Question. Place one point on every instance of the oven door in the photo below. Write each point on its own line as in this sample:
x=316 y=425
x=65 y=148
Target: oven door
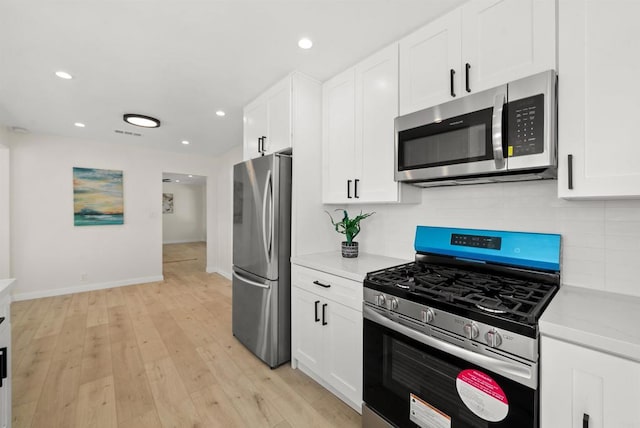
x=458 y=138
x=411 y=384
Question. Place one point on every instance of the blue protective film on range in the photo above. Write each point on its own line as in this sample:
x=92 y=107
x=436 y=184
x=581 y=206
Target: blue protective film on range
x=530 y=250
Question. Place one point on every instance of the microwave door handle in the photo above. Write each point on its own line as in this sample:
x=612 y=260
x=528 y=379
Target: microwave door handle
x=496 y=130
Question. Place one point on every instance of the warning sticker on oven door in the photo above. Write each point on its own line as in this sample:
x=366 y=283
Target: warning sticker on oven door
x=426 y=416
x=482 y=395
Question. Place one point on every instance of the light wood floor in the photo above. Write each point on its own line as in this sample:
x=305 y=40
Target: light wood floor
x=154 y=355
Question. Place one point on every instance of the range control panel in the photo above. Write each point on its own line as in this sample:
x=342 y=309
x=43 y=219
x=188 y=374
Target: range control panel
x=476 y=241
x=526 y=126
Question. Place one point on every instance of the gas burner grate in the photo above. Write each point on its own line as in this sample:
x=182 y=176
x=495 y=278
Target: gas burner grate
x=512 y=298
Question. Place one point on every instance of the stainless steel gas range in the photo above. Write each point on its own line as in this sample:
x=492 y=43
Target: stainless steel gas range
x=451 y=340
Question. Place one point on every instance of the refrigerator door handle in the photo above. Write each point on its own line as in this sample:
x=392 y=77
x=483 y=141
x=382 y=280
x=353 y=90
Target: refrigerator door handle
x=266 y=244
x=248 y=281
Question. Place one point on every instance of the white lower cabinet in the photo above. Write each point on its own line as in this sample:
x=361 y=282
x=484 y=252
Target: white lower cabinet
x=326 y=331
x=582 y=387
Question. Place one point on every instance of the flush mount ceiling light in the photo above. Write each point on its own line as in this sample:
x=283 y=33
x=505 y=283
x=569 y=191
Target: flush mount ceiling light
x=63 y=75
x=185 y=142
x=220 y=113
x=141 y=120
x=79 y=125
x=305 y=43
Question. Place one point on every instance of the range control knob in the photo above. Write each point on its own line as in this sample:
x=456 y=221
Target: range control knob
x=471 y=330
x=381 y=300
x=493 y=338
x=394 y=303
x=427 y=315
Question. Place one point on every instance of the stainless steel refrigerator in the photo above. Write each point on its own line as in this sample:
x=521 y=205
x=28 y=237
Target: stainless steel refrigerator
x=261 y=301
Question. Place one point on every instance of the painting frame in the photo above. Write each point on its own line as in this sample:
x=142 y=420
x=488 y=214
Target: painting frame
x=167 y=203
x=98 y=197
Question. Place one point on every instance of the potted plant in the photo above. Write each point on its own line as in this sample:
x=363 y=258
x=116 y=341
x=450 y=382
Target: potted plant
x=350 y=227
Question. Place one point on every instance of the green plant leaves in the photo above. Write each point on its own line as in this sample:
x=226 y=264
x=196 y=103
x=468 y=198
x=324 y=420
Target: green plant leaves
x=350 y=227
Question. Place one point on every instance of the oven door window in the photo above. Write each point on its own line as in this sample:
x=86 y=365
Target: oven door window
x=397 y=369
x=461 y=139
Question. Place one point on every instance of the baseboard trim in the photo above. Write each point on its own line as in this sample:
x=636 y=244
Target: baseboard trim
x=184 y=241
x=85 y=287
x=225 y=274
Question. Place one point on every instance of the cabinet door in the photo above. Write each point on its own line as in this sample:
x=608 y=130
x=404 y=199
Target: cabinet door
x=306 y=331
x=343 y=350
x=598 y=99
x=255 y=127
x=376 y=108
x=427 y=58
x=278 y=101
x=504 y=40
x=576 y=381
x=340 y=167
x=5 y=390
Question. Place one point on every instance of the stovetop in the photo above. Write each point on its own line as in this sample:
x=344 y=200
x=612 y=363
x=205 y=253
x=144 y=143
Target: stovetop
x=498 y=299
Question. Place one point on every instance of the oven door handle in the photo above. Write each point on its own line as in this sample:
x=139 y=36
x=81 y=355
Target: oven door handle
x=516 y=372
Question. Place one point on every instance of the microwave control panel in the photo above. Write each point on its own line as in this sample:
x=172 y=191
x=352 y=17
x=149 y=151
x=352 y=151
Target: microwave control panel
x=525 y=124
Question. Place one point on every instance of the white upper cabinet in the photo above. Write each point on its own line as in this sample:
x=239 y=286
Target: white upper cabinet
x=504 y=40
x=430 y=64
x=338 y=136
x=359 y=107
x=482 y=44
x=267 y=121
x=598 y=110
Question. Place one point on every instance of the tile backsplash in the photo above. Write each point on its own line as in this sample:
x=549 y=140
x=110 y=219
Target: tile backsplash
x=600 y=239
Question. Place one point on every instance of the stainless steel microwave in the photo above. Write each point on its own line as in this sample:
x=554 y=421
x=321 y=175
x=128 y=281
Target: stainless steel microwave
x=507 y=133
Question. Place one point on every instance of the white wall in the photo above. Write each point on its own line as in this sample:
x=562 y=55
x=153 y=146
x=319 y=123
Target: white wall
x=600 y=239
x=187 y=223
x=5 y=259
x=51 y=256
x=224 y=183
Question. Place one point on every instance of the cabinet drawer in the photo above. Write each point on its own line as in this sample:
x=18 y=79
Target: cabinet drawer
x=344 y=291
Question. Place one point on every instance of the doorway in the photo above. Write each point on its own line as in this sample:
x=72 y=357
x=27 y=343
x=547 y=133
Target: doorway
x=184 y=224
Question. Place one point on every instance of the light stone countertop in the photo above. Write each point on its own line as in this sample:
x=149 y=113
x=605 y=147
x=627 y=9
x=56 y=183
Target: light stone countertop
x=595 y=319
x=5 y=285
x=355 y=269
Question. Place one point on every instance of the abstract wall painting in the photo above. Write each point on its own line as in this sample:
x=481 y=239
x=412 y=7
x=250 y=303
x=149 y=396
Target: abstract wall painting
x=167 y=203
x=97 y=197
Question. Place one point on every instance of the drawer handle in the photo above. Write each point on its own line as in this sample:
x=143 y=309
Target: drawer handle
x=321 y=284
x=585 y=421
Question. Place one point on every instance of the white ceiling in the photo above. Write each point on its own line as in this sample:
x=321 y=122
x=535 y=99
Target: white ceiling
x=177 y=60
x=186 y=179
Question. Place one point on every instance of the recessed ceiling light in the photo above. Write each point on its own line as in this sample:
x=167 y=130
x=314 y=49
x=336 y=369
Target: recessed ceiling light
x=185 y=142
x=190 y=176
x=305 y=43
x=141 y=120
x=177 y=181
x=79 y=125
x=63 y=75
x=220 y=113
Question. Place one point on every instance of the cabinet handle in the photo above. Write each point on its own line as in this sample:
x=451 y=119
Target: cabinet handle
x=316 y=316
x=452 y=73
x=321 y=284
x=264 y=138
x=355 y=188
x=585 y=420
x=324 y=315
x=348 y=189
x=3 y=364
x=570 y=171
x=466 y=74
x=259 y=144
